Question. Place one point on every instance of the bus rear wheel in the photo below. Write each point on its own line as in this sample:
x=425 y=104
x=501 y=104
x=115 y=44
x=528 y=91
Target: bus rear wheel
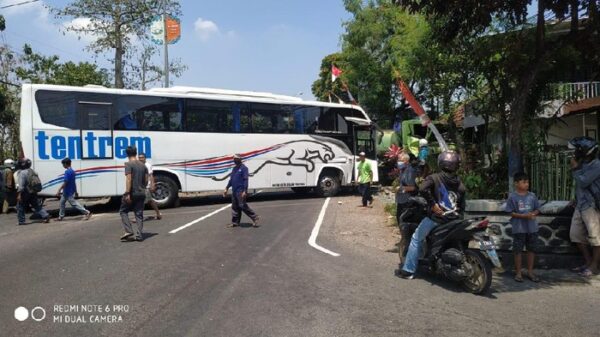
x=329 y=184
x=166 y=194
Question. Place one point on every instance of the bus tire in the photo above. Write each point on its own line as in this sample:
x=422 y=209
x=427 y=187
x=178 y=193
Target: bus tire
x=167 y=192
x=329 y=184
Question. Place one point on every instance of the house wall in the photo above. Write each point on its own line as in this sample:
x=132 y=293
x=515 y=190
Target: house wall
x=573 y=126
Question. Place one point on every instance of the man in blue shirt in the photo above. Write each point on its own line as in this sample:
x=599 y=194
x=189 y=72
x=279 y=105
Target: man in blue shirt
x=585 y=224
x=238 y=182
x=69 y=189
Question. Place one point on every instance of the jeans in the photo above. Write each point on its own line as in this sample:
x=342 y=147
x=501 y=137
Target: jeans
x=414 y=249
x=137 y=206
x=73 y=202
x=239 y=205
x=365 y=191
x=28 y=200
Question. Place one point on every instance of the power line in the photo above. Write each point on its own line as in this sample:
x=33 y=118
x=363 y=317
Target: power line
x=8 y=83
x=19 y=4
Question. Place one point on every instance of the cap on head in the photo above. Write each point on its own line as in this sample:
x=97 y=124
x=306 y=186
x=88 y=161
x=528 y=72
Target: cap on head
x=362 y=154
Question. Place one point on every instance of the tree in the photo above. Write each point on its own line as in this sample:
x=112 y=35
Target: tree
x=517 y=61
x=115 y=24
x=143 y=71
x=37 y=68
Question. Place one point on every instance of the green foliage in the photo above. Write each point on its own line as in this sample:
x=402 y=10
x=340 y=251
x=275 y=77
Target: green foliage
x=37 y=68
x=2 y=23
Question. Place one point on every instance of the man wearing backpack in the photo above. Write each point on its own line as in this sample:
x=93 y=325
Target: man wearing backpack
x=585 y=225
x=29 y=186
x=445 y=195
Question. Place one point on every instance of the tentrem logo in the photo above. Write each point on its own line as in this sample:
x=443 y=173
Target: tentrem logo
x=59 y=147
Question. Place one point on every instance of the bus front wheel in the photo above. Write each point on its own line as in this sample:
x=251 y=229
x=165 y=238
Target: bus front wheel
x=329 y=184
x=166 y=194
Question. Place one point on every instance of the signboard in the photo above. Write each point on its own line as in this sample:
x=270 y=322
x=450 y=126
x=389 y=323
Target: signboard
x=157 y=34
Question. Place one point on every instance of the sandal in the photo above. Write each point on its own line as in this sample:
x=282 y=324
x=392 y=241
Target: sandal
x=519 y=278
x=587 y=272
x=533 y=278
x=579 y=269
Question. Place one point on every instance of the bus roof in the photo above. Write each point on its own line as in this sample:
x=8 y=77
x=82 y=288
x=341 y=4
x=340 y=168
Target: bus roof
x=202 y=93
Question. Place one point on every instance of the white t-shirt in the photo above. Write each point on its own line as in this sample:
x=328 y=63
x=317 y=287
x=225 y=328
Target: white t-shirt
x=149 y=167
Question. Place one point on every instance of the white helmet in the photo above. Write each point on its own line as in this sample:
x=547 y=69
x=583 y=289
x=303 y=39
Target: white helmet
x=423 y=142
x=9 y=162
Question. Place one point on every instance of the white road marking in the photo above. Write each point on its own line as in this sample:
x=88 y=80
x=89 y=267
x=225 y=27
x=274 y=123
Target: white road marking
x=312 y=241
x=199 y=219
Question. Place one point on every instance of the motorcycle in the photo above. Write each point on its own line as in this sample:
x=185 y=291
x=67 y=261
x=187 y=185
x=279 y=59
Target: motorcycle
x=459 y=250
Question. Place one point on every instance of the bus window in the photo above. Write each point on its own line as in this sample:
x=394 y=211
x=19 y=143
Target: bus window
x=208 y=116
x=271 y=118
x=327 y=119
x=58 y=108
x=149 y=113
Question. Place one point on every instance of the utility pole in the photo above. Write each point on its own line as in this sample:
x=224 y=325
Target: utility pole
x=166 y=44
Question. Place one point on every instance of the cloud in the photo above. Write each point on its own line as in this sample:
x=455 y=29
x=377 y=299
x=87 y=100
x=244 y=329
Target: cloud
x=78 y=23
x=206 y=29
x=40 y=9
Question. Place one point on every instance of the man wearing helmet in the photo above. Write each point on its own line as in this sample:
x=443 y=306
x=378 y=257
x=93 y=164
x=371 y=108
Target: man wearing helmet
x=445 y=195
x=25 y=196
x=585 y=225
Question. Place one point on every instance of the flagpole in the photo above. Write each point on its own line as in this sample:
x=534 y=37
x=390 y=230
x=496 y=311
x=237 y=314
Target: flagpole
x=166 y=45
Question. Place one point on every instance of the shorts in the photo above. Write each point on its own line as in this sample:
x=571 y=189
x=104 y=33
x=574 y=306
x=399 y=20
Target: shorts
x=148 y=196
x=585 y=227
x=522 y=240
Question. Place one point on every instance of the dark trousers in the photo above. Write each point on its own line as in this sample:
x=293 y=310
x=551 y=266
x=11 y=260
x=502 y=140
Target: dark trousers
x=29 y=201
x=137 y=206
x=365 y=191
x=239 y=205
x=404 y=232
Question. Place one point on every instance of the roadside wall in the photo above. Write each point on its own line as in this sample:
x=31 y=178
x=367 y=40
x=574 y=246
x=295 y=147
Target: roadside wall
x=554 y=221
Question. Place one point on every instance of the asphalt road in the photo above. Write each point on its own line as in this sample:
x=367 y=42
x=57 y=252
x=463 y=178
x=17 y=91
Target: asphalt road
x=209 y=280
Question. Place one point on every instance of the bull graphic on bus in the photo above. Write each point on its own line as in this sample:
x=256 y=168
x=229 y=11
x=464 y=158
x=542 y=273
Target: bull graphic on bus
x=299 y=153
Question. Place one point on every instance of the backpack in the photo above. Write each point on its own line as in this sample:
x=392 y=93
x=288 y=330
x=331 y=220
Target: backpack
x=34 y=184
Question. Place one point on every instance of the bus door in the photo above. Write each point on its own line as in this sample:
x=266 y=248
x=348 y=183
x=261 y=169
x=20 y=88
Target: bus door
x=98 y=172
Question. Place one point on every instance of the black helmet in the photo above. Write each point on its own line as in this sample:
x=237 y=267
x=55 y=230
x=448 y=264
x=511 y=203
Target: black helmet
x=24 y=163
x=584 y=147
x=449 y=161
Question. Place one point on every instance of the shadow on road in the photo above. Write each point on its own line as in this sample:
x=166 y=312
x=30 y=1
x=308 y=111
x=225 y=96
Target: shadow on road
x=503 y=282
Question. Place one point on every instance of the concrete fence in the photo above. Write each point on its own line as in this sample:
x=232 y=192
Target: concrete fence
x=554 y=224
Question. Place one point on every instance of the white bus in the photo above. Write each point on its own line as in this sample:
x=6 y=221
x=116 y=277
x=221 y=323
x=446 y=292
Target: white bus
x=189 y=135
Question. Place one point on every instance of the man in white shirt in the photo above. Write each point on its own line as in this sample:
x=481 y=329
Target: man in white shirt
x=151 y=186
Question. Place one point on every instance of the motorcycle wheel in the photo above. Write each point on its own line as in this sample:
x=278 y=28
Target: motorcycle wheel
x=481 y=280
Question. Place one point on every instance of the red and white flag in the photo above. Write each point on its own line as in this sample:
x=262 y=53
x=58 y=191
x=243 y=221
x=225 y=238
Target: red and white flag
x=335 y=73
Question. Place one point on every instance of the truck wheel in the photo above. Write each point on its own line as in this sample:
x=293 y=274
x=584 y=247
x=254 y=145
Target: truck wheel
x=329 y=184
x=166 y=194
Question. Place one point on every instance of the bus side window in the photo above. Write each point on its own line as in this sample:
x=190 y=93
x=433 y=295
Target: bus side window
x=149 y=113
x=208 y=116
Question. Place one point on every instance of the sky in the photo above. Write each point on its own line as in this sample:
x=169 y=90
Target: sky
x=259 y=45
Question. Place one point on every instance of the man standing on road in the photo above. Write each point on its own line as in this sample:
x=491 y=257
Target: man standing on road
x=585 y=225
x=365 y=176
x=151 y=188
x=67 y=192
x=136 y=180
x=239 y=193
x=29 y=186
x=407 y=188
x=9 y=190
